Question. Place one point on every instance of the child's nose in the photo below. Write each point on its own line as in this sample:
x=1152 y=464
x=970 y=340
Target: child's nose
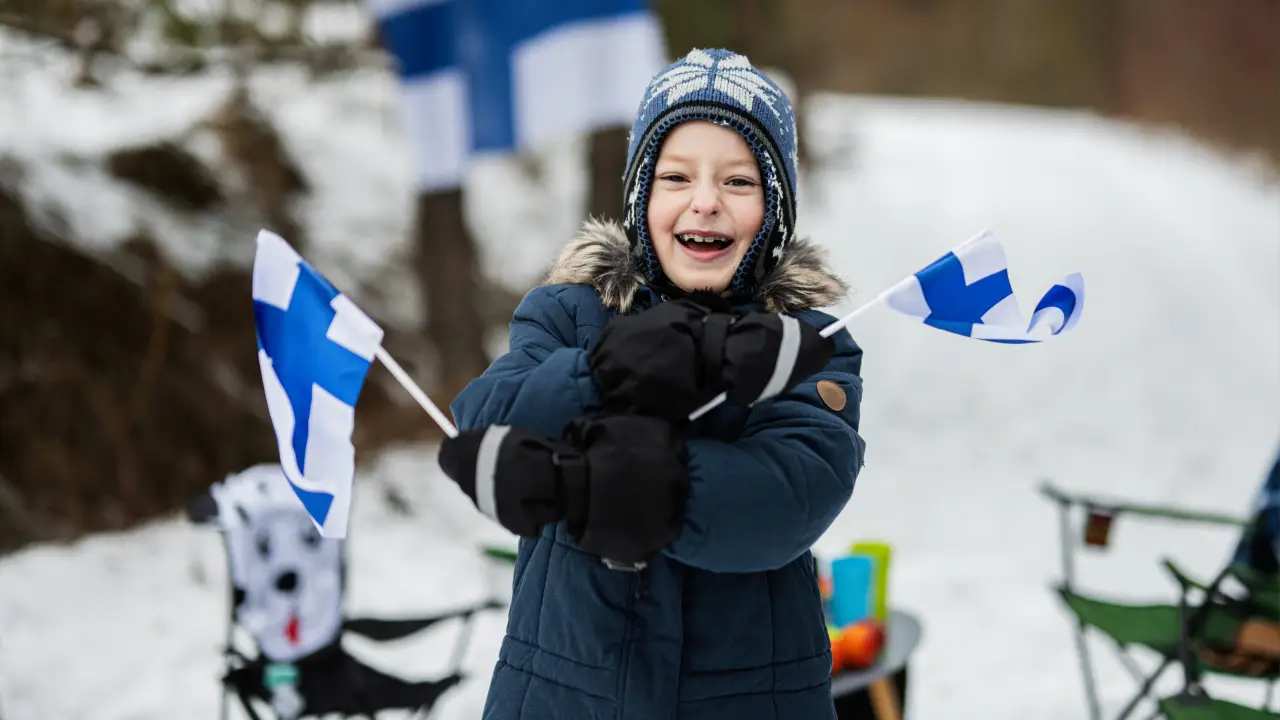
x=706 y=199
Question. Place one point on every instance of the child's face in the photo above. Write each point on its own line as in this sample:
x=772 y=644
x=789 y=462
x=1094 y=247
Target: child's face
x=706 y=205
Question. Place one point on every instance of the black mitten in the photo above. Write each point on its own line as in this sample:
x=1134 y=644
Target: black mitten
x=670 y=360
x=618 y=481
x=636 y=486
x=513 y=476
x=768 y=354
x=648 y=363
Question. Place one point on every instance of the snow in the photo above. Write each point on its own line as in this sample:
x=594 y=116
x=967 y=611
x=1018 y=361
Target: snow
x=130 y=625
x=343 y=131
x=1168 y=390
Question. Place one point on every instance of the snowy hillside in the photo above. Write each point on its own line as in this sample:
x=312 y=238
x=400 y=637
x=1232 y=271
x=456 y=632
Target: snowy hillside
x=1167 y=391
x=343 y=131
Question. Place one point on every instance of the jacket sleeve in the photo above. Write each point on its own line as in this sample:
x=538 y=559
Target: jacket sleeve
x=759 y=503
x=1259 y=544
x=543 y=380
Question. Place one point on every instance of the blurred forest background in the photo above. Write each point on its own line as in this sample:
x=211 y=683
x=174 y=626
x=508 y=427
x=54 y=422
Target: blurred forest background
x=127 y=385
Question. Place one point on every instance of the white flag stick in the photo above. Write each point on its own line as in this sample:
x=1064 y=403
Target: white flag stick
x=416 y=392
x=839 y=325
x=827 y=331
x=836 y=326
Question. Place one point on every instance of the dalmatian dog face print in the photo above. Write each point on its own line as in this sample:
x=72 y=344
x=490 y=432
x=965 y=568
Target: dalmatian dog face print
x=287 y=580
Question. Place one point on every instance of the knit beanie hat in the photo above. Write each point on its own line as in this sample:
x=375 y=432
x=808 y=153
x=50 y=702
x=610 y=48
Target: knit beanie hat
x=722 y=87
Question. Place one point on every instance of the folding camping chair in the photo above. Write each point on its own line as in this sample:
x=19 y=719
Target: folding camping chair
x=1222 y=632
x=287 y=586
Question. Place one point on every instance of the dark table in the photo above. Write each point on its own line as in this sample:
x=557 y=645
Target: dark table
x=859 y=693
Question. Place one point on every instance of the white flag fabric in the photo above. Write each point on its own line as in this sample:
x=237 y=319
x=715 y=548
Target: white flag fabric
x=496 y=76
x=315 y=348
x=967 y=292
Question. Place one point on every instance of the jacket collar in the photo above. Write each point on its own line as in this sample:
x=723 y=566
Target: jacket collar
x=601 y=256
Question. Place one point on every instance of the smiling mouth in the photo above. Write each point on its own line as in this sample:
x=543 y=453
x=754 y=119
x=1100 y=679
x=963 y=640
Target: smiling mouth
x=704 y=242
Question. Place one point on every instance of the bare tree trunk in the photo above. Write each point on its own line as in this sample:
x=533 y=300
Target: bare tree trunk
x=448 y=270
x=607 y=161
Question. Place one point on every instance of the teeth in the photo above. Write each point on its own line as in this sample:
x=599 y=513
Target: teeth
x=710 y=240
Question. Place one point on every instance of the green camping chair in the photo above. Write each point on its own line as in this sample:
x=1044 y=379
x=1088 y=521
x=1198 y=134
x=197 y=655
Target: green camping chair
x=1200 y=631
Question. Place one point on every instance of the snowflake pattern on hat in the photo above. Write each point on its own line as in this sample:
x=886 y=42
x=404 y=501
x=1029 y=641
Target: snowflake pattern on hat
x=725 y=88
x=735 y=77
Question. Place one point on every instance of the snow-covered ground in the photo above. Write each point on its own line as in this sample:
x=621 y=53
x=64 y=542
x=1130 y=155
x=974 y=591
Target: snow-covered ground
x=1169 y=390
x=344 y=133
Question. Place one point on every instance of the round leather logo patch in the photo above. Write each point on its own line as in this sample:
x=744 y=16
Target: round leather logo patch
x=832 y=395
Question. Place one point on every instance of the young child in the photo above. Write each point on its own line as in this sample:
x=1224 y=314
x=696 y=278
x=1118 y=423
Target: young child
x=665 y=569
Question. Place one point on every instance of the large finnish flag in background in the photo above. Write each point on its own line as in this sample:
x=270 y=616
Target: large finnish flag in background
x=496 y=76
x=315 y=348
x=967 y=292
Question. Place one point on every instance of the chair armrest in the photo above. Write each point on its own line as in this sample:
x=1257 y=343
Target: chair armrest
x=380 y=629
x=1183 y=579
x=1166 y=512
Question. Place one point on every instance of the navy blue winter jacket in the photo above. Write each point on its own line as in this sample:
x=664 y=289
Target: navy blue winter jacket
x=727 y=623
x=1259 y=546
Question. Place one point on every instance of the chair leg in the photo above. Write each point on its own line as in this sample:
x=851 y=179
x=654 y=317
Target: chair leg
x=1189 y=625
x=1135 y=672
x=249 y=709
x=1144 y=690
x=1192 y=693
x=1068 y=580
x=884 y=699
x=463 y=642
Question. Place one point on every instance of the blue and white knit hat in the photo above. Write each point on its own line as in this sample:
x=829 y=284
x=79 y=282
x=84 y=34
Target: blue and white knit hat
x=722 y=87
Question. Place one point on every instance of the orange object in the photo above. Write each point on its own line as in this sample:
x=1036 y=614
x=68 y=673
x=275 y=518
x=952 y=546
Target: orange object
x=824 y=587
x=858 y=645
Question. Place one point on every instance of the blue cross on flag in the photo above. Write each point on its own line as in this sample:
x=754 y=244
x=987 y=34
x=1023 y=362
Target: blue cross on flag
x=967 y=292
x=496 y=76
x=315 y=348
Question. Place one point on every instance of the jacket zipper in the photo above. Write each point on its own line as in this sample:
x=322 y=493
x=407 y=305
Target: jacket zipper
x=632 y=596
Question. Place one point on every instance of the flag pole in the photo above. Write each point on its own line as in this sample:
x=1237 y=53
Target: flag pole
x=416 y=392
x=827 y=331
x=838 y=325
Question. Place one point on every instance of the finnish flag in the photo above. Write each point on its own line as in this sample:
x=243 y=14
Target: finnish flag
x=315 y=348
x=967 y=292
x=496 y=76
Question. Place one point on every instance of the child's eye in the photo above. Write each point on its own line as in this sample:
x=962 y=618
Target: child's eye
x=673 y=177
x=743 y=182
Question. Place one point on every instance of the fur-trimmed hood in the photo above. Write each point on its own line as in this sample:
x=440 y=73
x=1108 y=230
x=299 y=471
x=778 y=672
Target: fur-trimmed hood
x=601 y=256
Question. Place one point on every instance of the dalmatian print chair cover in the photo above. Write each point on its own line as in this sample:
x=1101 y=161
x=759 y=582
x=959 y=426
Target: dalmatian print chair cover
x=287 y=580
x=287 y=593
